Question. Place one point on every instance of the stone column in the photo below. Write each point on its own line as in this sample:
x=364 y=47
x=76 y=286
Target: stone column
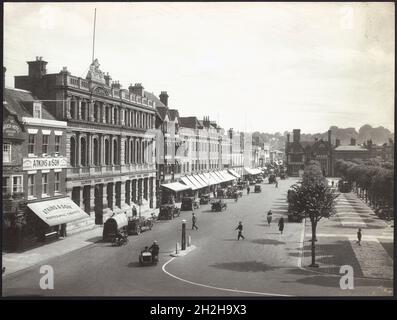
x=122 y=195
x=122 y=150
x=103 y=112
x=81 y=198
x=114 y=195
x=154 y=199
x=92 y=201
x=91 y=111
x=68 y=115
x=79 y=108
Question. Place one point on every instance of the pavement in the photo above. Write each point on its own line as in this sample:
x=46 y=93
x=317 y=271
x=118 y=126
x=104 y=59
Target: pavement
x=266 y=263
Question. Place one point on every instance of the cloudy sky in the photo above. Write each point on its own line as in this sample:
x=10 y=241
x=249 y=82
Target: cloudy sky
x=251 y=66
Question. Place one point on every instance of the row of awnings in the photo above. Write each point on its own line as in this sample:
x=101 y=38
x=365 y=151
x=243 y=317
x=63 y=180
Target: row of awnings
x=201 y=180
x=252 y=171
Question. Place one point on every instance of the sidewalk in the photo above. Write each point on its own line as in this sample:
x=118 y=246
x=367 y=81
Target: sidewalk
x=337 y=241
x=18 y=261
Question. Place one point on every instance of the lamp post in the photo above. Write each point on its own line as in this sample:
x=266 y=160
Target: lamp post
x=183 y=243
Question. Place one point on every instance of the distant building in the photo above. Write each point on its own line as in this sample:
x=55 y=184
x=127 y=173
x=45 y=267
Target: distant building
x=384 y=152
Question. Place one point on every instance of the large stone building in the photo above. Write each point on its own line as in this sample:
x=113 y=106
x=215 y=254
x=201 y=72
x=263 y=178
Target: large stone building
x=299 y=153
x=110 y=139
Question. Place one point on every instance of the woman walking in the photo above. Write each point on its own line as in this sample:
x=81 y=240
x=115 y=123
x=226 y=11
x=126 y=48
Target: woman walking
x=269 y=217
x=281 y=225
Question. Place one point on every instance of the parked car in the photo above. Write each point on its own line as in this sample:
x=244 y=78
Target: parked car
x=137 y=225
x=189 y=204
x=218 y=205
x=168 y=212
x=258 y=188
x=205 y=199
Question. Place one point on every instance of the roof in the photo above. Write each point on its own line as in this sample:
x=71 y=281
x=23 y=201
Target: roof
x=173 y=114
x=152 y=96
x=162 y=112
x=350 y=148
x=189 y=122
x=20 y=102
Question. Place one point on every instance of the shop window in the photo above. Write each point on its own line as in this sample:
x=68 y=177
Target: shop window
x=17 y=184
x=31 y=185
x=57 y=143
x=31 y=143
x=57 y=178
x=45 y=143
x=6 y=152
x=44 y=183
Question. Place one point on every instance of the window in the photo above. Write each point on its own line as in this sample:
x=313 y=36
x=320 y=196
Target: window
x=31 y=143
x=44 y=183
x=6 y=153
x=30 y=185
x=37 y=110
x=57 y=181
x=45 y=143
x=6 y=185
x=17 y=184
x=57 y=143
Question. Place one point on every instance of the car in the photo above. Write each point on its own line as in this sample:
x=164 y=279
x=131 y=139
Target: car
x=218 y=205
x=168 y=212
x=189 y=204
x=272 y=178
x=205 y=199
x=137 y=225
x=259 y=180
x=344 y=186
x=257 y=188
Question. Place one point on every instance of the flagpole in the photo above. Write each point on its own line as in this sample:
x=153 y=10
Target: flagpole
x=93 y=38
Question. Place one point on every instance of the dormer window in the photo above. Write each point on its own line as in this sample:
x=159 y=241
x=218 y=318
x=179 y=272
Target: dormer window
x=37 y=110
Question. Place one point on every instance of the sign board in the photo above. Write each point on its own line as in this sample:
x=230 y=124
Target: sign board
x=12 y=129
x=44 y=163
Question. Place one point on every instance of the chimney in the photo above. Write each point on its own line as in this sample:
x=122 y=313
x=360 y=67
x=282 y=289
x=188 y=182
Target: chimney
x=116 y=85
x=107 y=79
x=296 y=135
x=164 y=98
x=37 y=69
x=136 y=89
x=337 y=143
x=352 y=141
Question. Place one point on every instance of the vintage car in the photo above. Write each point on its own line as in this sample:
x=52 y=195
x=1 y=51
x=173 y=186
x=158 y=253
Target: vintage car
x=259 y=180
x=189 y=204
x=218 y=205
x=272 y=178
x=168 y=212
x=205 y=199
x=146 y=257
x=117 y=223
x=136 y=225
x=257 y=188
x=344 y=186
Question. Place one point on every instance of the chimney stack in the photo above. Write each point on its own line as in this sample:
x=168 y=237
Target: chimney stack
x=164 y=98
x=137 y=89
x=37 y=68
x=296 y=135
x=116 y=85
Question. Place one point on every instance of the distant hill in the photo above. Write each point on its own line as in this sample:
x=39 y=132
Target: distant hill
x=379 y=135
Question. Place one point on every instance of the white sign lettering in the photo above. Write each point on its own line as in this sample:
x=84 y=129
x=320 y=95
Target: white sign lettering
x=44 y=163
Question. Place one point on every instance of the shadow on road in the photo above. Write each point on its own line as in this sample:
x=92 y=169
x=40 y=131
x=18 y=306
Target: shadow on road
x=96 y=240
x=134 y=264
x=244 y=266
x=268 y=242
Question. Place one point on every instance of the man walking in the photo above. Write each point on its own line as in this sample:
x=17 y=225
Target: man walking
x=194 y=220
x=248 y=190
x=269 y=217
x=240 y=231
x=359 y=236
x=281 y=225
x=276 y=182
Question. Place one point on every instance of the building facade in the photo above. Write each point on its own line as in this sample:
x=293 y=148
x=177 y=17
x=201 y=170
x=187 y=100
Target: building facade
x=110 y=140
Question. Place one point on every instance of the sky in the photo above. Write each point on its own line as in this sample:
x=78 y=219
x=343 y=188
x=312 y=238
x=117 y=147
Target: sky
x=268 y=67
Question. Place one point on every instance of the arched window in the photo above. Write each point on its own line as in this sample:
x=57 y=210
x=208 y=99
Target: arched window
x=96 y=152
x=107 y=152
x=83 y=151
x=115 y=153
x=72 y=151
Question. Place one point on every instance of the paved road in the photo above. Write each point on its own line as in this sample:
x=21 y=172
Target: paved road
x=265 y=263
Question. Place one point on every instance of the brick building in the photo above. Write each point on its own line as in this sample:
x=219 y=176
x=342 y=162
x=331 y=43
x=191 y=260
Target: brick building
x=110 y=140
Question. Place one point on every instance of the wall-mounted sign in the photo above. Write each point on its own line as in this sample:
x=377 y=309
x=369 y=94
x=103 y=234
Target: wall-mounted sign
x=12 y=129
x=44 y=163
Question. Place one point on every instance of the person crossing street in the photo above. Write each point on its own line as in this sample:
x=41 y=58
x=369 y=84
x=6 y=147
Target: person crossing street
x=240 y=231
x=269 y=217
x=194 y=220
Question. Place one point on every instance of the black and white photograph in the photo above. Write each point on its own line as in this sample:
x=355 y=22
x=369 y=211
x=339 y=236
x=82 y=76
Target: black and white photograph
x=198 y=149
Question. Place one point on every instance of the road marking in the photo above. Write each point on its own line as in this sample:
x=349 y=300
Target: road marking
x=219 y=288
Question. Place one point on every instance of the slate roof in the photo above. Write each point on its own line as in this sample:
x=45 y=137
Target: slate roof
x=351 y=148
x=20 y=102
x=189 y=122
x=173 y=114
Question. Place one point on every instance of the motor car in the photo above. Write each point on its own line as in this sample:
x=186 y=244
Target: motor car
x=168 y=212
x=136 y=225
x=190 y=204
x=257 y=188
x=218 y=205
x=205 y=199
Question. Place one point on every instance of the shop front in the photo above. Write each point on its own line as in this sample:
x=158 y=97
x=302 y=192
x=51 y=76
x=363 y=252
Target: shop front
x=174 y=192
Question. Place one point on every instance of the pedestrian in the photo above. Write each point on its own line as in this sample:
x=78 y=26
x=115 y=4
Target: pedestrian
x=359 y=235
x=248 y=190
x=194 y=220
x=276 y=182
x=281 y=225
x=236 y=196
x=269 y=217
x=240 y=231
x=63 y=230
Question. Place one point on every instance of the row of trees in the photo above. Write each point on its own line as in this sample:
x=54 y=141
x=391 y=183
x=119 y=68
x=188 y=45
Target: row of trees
x=372 y=180
x=313 y=199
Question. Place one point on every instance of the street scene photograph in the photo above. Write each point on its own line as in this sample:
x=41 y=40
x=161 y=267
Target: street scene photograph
x=198 y=149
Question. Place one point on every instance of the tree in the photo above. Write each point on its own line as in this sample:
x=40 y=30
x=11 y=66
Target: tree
x=314 y=200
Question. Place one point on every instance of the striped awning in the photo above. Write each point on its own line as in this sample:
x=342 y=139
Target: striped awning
x=234 y=173
x=187 y=182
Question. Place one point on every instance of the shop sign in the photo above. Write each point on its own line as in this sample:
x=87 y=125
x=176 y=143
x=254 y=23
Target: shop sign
x=44 y=163
x=11 y=128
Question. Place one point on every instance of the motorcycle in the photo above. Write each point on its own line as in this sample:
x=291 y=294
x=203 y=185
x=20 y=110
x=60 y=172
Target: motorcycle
x=120 y=240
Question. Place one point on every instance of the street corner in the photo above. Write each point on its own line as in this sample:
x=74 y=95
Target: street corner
x=182 y=253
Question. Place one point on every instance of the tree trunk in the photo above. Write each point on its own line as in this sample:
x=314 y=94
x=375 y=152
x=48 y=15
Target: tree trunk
x=314 y=226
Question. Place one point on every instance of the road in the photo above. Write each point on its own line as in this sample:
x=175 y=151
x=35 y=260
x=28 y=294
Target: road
x=266 y=263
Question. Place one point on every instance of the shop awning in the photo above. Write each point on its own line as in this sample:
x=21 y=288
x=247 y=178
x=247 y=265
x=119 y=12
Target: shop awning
x=251 y=171
x=176 y=186
x=59 y=211
x=196 y=181
x=200 y=180
x=216 y=177
x=188 y=183
x=220 y=176
x=234 y=173
x=227 y=175
x=204 y=178
x=210 y=179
